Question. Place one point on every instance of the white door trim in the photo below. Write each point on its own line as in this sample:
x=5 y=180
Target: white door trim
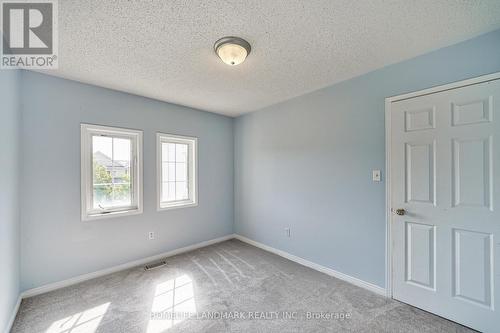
x=388 y=102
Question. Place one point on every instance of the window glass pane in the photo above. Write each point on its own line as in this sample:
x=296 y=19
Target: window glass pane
x=170 y=191
x=121 y=161
x=102 y=166
x=164 y=151
x=171 y=152
x=181 y=151
x=181 y=191
x=121 y=195
x=102 y=195
x=181 y=172
x=170 y=172
x=121 y=149
x=102 y=148
x=102 y=144
x=164 y=171
x=164 y=191
x=111 y=172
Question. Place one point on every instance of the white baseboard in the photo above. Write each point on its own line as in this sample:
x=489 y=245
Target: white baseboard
x=106 y=271
x=355 y=281
x=13 y=315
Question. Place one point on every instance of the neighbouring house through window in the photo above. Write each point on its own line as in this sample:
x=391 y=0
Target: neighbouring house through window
x=111 y=171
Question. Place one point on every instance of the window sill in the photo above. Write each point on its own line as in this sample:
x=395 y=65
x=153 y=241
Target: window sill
x=177 y=205
x=92 y=217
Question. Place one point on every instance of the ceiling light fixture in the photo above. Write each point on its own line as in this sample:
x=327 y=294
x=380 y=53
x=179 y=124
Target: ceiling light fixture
x=232 y=50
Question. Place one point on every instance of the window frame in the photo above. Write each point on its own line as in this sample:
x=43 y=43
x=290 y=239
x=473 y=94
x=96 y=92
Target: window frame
x=87 y=131
x=192 y=143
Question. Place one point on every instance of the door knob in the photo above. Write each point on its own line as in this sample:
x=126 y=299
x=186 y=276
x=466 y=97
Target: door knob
x=400 y=211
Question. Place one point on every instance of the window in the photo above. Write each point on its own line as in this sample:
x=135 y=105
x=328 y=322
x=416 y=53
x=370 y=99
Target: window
x=111 y=171
x=176 y=156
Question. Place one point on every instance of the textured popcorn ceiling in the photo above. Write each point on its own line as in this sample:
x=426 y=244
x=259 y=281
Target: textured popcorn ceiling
x=164 y=49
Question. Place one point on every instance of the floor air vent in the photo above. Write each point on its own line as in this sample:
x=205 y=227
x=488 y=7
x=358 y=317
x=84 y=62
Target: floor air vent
x=154 y=265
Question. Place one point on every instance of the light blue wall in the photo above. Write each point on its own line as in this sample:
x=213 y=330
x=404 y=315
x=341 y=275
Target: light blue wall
x=55 y=243
x=306 y=163
x=9 y=203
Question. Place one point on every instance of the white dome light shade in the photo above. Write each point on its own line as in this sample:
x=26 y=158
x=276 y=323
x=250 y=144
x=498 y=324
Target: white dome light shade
x=232 y=50
x=232 y=54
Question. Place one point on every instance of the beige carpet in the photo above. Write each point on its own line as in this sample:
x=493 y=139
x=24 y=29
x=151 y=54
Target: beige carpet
x=227 y=287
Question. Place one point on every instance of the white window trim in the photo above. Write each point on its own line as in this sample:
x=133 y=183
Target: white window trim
x=86 y=172
x=192 y=171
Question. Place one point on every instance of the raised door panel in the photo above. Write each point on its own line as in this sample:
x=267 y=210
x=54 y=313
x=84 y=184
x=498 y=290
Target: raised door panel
x=420 y=173
x=472 y=112
x=417 y=120
x=471 y=169
x=473 y=267
x=420 y=256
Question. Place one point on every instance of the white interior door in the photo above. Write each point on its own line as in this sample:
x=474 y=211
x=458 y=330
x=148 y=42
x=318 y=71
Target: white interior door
x=445 y=160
